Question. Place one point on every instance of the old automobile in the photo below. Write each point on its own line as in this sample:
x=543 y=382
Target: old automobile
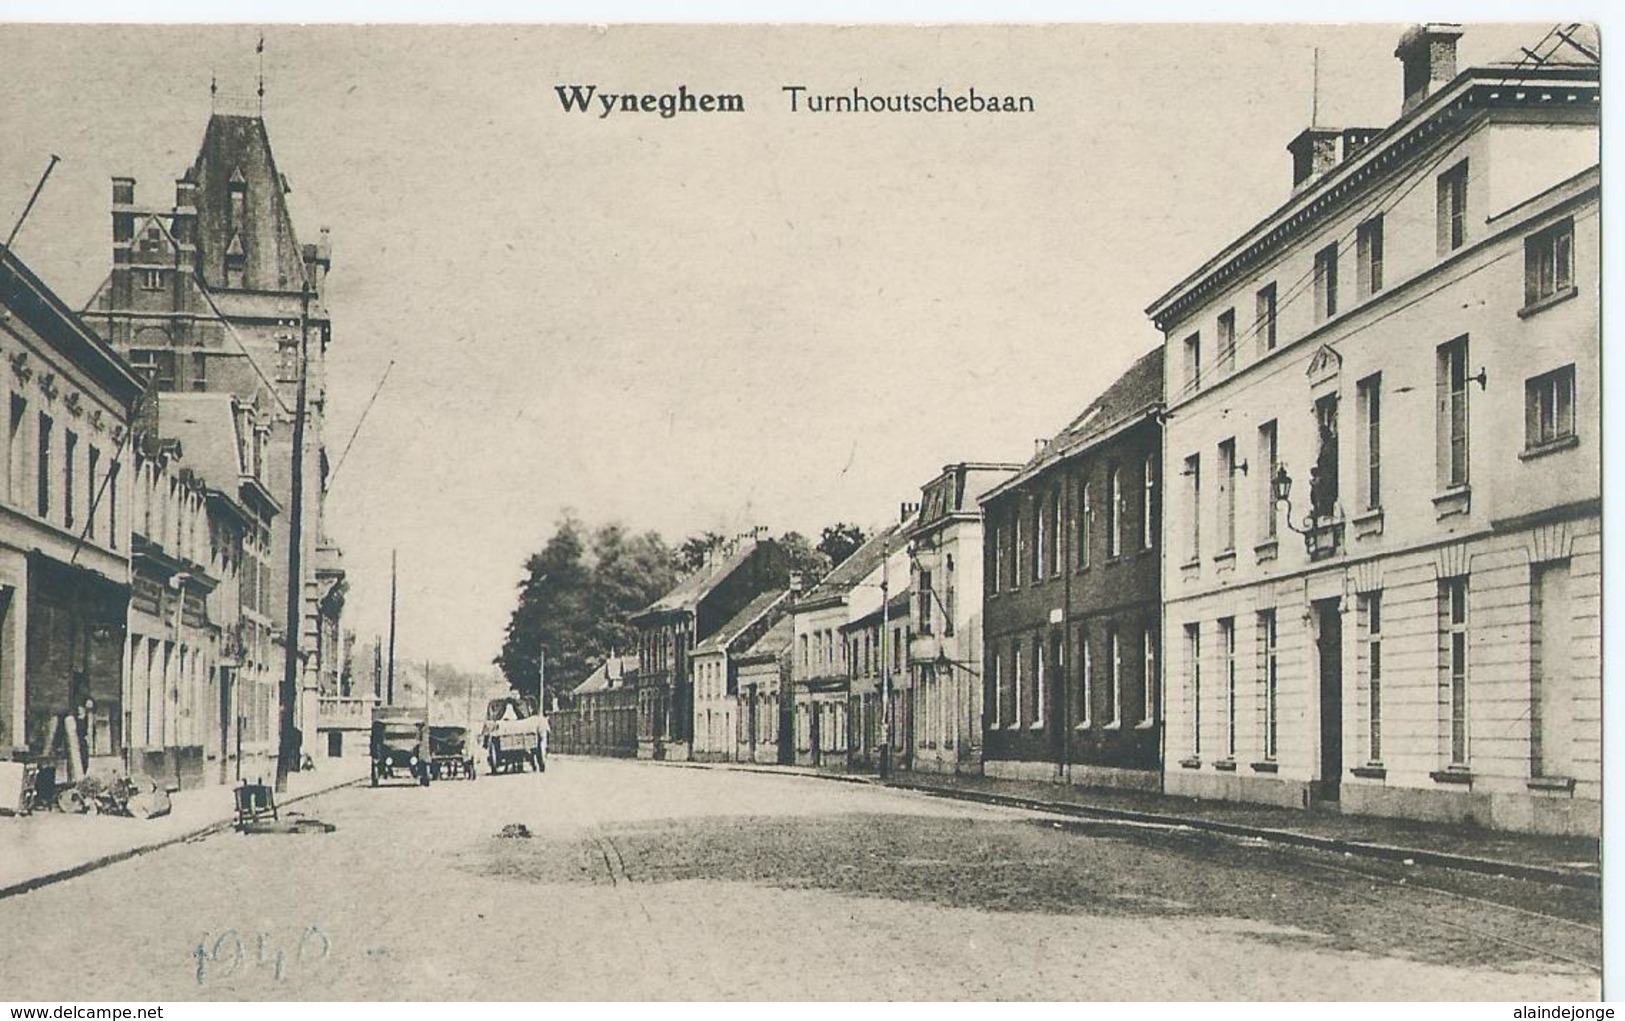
x=400 y=744
x=451 y=753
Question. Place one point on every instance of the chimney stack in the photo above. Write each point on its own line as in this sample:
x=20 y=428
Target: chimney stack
x=1428 y=54
x=184 y=223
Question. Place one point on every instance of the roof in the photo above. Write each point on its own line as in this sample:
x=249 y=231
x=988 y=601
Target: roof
x=236 y=153
x=1559 y=63
x=31 y=300
x=898 y=608
x=688 y=593
x=741 y=622
x=774 y=641
x=609 y=672
x=856 y=567
x=1129 y=398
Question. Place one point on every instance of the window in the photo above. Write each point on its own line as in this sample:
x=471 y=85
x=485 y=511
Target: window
x=996 y=683
x=1371 y=610
x=1227 y=677
x=43 y=465
x=1227 y=341
x=1039 y=694
x=1549 y=408
x=1227 y=497
x=1264 y=314
x=1055 y=524
x=948 y=604
x=157 y=366
x=1551 y=696
x=152 y=280
x=1040 y=538
x=1368 y=256
x=112 y=504
x=1453 y=665
x=1369 y=393
x=70 y=451
x=1020 y=548
x=93 y=463
x=1193 y=361
x=1268 y=457
x=1324 y=476
x=14 y=451
x=925 y=603
x=1193 y=683
x=1548 y=263
x=200 y=371
x=1114 y=690
x=1326 y=283
x=1148 y=678
x=1452 y=418
x=1085 y=667
x=287 y=360
x=996 y=576
x=1015 y=685
x=1267 y=680
x=1114 y=503
x=1086 y=511
x=1452 y=208
x=1193 y=507
x=1148 y=504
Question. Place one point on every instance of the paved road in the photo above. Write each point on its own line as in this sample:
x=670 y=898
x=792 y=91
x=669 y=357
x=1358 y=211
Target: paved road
x=646 y=881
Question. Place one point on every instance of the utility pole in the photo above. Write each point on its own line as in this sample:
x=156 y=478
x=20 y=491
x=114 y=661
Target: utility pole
x=55 y=159
x=885 y=661
x=288 y=737
x=391 y=700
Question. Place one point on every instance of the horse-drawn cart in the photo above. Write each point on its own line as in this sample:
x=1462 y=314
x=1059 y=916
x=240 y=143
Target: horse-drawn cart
x=515 y=735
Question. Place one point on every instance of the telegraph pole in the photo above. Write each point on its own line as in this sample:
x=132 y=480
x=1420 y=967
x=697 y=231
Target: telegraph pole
x=885 y=661
x=288 y=736
x=391 y=700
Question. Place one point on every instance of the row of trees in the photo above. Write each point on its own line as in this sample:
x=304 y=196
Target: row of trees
x=580 y=591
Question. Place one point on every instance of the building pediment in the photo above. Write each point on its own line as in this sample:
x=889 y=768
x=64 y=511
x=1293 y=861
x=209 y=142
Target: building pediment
x=1324 y=366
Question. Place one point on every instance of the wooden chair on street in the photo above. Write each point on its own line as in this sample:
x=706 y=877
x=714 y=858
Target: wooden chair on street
x=256 y=802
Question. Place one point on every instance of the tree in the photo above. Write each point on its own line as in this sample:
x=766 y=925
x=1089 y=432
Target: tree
x=692 y=553
x=576 y=601
x=804 y=557
x=840 y=541
x=550 y=610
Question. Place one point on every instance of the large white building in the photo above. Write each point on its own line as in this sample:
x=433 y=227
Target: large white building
x=1407 y=350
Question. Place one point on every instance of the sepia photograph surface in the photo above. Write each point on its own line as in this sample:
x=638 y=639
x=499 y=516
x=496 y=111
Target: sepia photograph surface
x=801 y=512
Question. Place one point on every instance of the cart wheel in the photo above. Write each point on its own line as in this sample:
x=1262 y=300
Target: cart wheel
x=70 y=800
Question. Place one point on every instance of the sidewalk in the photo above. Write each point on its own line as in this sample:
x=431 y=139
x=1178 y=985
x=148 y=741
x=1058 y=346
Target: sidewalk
x=46 y=847
x=1570 y=861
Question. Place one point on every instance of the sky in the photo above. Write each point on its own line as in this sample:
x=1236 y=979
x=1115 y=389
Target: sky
x=708 y=322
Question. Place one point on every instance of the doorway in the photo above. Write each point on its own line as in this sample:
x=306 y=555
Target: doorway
x=1329 y=646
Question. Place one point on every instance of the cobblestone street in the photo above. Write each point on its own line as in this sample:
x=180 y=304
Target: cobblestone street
x=646 y=881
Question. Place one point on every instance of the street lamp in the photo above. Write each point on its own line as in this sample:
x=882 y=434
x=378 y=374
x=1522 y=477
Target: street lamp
x=1281 y=490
